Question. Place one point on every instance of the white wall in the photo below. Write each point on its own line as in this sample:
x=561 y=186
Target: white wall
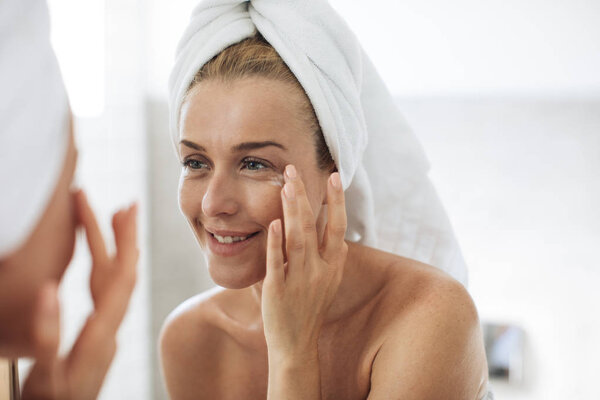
x=433 y=47
x=437 y=47
x=520 y=179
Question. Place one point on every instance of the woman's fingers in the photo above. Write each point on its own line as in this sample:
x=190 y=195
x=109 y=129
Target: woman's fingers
x=275 y=272
x=92 y=230
x=294 y=237
x=95 y=347
x=333 y=241
x=125 y=228
x=306 y=215
x=112 y=283
x=112 y=307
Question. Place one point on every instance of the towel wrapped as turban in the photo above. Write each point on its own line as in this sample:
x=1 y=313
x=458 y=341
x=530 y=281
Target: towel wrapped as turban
x=391 y=203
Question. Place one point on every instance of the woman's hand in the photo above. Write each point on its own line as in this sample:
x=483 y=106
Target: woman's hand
x=80 y=374
x=297 y=293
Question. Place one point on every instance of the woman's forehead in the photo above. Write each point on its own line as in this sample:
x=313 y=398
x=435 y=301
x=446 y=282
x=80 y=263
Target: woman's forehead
x=247 y=110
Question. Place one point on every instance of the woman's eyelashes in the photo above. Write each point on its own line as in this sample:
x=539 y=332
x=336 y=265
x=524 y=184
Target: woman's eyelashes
x=251 y=164
x=193 y=164
x=254 y=164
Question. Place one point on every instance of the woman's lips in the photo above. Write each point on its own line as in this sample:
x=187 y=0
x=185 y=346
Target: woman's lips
x=229 y=249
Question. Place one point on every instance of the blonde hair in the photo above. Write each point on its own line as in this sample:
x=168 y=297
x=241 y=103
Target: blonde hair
x=255 y=57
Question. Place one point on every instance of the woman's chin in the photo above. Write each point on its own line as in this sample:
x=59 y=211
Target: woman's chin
x=235 y=276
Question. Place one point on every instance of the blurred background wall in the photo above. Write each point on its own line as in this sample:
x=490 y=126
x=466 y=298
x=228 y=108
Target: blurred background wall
x=505 y=97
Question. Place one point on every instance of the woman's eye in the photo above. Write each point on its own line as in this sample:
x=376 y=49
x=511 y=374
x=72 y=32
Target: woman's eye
x=254 y=165
x=193 y=164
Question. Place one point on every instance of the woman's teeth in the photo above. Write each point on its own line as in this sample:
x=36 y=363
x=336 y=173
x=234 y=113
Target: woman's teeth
x=230 y=239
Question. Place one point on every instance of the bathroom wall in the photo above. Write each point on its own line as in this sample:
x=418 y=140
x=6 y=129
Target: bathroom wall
x=520 y=179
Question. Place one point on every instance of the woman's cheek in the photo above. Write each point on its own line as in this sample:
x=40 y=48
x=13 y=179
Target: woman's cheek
x=190 y=199
x=264 y=199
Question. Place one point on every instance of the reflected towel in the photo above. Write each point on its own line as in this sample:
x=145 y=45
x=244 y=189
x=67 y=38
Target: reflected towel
x=34 y=119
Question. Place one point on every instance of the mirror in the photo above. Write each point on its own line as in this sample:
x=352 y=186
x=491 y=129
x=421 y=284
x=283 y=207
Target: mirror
x=509 y=119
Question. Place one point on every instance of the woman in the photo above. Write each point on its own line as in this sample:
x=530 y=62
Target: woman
x=303 y=313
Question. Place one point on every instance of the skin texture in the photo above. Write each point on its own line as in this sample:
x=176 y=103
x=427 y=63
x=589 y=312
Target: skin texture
x=302 y=314
x=29 y=306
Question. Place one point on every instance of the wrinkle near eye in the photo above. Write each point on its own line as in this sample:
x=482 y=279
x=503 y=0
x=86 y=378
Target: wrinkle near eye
x=271 y=177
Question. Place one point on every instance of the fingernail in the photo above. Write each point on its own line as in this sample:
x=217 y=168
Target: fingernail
x=277 y=226
x=290 y=193
x=335 y=180
x=290 y=170
x=134 y=210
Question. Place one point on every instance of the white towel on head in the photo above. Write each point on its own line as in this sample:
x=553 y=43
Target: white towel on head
x=390 y=201
x=34 y=119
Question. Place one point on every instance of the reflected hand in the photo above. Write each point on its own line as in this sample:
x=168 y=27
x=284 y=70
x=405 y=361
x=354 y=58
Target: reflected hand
x=297 y=294
x=80 y=374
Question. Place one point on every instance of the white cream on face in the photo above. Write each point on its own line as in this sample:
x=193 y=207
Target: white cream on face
x=277 y=180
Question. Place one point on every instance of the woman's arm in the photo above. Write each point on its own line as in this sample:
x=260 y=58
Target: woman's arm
x=436 y=353
x=297 y=293
x=295 y=376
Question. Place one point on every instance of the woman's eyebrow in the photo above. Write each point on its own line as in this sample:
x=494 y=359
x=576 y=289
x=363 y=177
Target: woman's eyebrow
x=245 y=146
x=193 y=145
x=256 y=145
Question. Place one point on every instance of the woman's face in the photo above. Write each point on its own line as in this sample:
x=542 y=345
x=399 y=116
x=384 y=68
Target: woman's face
x=236 y=139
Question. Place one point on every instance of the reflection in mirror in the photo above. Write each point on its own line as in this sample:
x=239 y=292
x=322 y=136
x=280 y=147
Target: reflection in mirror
x=494 y=159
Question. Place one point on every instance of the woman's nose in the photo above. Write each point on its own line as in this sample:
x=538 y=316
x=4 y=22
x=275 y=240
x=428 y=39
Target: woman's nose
x=220 y=197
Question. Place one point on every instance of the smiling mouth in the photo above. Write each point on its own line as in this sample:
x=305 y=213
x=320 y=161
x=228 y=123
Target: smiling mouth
x=231 y=239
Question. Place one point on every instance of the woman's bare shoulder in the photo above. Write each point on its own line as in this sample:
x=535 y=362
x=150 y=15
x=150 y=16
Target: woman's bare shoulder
x=428 y=293
x=192 y=339
x=433 y=312
x=192 y=314
x=404 y=281
x=414 y=291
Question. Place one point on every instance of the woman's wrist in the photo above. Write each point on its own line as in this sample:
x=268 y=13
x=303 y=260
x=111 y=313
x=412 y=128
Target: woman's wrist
x=293 y=358
x=294 y=375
